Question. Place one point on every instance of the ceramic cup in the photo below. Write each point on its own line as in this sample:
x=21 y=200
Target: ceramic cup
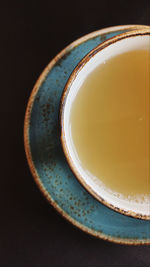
x=134 y=40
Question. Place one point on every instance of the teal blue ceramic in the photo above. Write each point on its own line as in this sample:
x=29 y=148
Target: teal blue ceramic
x=46 y=159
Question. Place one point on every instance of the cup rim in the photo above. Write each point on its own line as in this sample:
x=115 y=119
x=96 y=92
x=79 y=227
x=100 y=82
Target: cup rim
x=138 y=32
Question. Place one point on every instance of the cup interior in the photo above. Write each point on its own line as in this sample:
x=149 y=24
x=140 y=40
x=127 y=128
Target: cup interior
x=132 y=41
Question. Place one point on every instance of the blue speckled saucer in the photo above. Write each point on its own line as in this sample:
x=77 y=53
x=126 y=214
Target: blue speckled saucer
x=47 y=162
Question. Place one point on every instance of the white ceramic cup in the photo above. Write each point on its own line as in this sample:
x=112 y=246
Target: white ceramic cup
x=134 y=40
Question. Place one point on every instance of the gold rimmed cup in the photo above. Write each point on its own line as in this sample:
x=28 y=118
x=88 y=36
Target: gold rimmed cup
x=129 y=41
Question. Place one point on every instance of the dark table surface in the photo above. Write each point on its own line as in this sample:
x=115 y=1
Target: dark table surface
x=31 y=231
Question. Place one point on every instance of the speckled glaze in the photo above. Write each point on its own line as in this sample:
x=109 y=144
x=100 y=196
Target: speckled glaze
x=46 y=159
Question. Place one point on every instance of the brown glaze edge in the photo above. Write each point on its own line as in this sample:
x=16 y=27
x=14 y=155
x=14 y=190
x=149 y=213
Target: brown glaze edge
x=27 y=143
x=144 y=31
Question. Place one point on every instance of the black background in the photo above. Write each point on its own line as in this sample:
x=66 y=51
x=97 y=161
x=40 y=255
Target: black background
x=31 y=231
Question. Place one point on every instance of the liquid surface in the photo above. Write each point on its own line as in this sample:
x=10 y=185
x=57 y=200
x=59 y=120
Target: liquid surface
x=110 y=123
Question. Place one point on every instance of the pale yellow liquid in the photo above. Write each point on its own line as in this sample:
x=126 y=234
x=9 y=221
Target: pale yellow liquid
x=110 y=123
